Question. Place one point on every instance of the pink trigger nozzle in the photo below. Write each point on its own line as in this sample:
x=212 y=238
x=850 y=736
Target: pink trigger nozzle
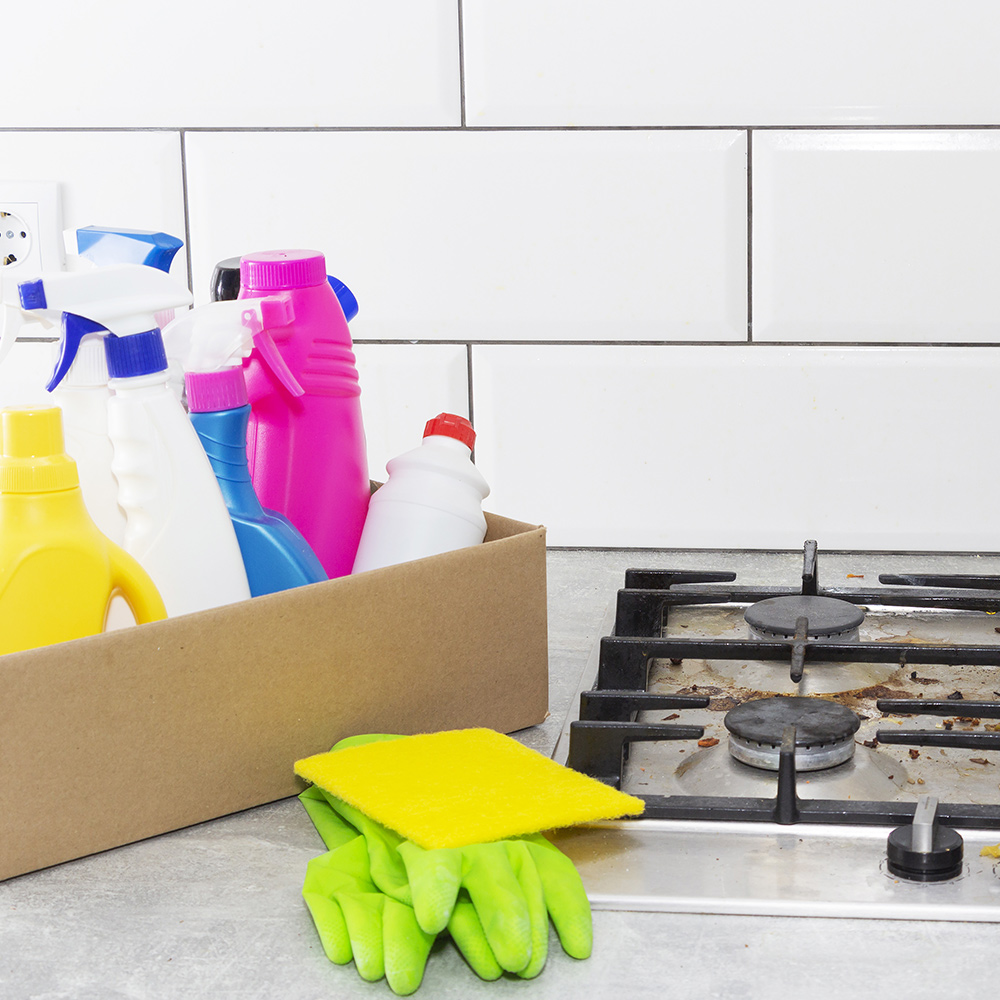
x=263 y=342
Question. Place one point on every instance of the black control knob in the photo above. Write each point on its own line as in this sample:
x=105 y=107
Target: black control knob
x=924 y=851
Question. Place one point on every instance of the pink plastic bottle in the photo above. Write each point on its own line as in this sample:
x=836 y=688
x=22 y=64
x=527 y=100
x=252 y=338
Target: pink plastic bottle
x=307 y=454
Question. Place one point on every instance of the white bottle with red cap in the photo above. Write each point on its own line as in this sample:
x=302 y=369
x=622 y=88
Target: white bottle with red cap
x=431 y=502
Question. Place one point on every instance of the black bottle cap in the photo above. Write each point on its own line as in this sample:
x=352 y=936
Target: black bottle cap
x=226 y=280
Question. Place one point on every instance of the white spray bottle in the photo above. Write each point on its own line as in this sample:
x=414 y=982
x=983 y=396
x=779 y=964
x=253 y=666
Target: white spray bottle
x=84 y=393
x=177 y=524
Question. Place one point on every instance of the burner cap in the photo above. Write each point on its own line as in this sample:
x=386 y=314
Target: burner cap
x=829 y=618
x=824 y=732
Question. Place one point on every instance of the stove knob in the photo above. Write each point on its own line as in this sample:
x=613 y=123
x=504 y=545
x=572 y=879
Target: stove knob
x=924 y=851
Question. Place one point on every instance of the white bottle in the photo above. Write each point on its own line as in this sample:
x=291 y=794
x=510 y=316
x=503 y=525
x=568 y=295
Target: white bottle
x=83 y=397
x=431 y=502
x=177 y=524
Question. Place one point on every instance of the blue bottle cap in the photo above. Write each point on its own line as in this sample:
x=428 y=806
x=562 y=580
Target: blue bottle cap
x=137 y=354
x=345 y=297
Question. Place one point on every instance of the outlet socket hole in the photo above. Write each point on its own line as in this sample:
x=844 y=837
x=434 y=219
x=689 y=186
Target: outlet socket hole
x=15 y=240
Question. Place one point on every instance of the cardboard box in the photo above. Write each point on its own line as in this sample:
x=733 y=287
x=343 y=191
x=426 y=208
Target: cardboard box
x=122 y=736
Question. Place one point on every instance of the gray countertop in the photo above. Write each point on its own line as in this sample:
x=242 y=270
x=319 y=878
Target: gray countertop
x=215 y=910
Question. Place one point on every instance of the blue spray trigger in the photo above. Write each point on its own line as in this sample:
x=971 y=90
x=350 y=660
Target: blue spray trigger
x=75 y=328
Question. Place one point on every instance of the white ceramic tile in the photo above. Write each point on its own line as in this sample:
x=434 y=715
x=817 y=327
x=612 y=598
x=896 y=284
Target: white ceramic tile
x=25 y=372
x=251 y=64
x=750 y=446
x=876 y=236
x=720 y=62
x=128 y=179
x=458 y=235
x=402 y=387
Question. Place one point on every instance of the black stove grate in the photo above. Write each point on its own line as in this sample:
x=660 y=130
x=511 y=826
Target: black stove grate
x=599 y=742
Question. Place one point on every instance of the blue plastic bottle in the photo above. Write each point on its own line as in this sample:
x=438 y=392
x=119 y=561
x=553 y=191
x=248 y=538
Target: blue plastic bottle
x=275 y=554
x=209 y=343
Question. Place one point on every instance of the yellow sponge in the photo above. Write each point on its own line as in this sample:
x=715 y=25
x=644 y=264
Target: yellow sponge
x=466 y=786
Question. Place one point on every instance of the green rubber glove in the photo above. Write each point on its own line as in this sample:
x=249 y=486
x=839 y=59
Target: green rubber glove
x=354 y=919
x=510 y=888
x=463 y=924
x=508 y=882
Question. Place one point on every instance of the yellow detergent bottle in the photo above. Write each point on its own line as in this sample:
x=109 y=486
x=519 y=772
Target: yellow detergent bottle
x=58 y=573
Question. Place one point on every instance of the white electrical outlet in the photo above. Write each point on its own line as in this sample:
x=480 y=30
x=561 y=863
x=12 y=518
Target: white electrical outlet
x=30 y=244
x=30 y=229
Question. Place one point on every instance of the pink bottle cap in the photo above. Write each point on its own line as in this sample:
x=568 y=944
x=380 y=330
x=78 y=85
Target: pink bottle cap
x=211 y=391
x=453 y=426
x=278 y=270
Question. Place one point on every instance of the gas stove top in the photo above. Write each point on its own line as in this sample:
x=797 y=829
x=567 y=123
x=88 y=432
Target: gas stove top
x=813 y=733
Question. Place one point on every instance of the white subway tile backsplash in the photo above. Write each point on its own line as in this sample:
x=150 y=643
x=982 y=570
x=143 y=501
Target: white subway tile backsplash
x=402 y=387
x=25 y=372
x=458 y=235
x=876 y=235
x=191 y=64
x=748 y=446
x=128 y=179
x=719 y=62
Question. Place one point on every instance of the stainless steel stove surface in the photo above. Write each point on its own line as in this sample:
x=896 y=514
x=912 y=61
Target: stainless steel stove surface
x=798 y=821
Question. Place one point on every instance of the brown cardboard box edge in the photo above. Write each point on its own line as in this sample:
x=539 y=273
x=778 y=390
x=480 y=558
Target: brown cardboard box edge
x=122 y=736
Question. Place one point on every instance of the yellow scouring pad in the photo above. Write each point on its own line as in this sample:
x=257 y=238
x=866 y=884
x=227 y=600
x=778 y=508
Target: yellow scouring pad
x=465 y=786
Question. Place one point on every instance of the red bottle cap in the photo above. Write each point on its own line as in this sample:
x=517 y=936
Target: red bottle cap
x=453 y=426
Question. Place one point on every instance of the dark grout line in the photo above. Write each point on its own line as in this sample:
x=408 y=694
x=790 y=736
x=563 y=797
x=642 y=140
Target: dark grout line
x=749 y=236
x=187 y=214
x=468 y=375
x=461 y=62
x=825 y=345
x=770 y=551
x=472 y=408
x=503 y=128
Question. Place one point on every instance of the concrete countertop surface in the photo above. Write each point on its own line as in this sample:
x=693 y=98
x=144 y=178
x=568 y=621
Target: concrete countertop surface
x=215 y=910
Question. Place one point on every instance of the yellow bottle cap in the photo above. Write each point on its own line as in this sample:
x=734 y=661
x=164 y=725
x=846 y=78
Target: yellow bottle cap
x=33 y=457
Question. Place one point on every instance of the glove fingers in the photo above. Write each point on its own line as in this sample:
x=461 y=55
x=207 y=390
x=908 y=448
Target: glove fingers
x=363 y=916
x=565 y=897
x=467 y=933
x=405 y=946
x=523 y=866
x=331 y=927
x=499 y=902
x=435 y=878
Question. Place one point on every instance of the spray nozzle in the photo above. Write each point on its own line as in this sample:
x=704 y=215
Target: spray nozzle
x=121 y=300
x=110 y=245
x=221 y=334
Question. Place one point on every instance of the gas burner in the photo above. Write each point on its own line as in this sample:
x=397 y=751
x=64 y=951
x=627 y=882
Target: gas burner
x=824 y=732
x=826 y=618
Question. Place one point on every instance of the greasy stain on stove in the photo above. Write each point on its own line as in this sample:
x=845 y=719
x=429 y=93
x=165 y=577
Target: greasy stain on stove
x=842 y=706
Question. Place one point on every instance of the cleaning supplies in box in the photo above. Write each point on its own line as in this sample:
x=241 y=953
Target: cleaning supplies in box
x=210 y=342
x=431 y=502
x=177 y=524
x=58 y=573
x=307 y=453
